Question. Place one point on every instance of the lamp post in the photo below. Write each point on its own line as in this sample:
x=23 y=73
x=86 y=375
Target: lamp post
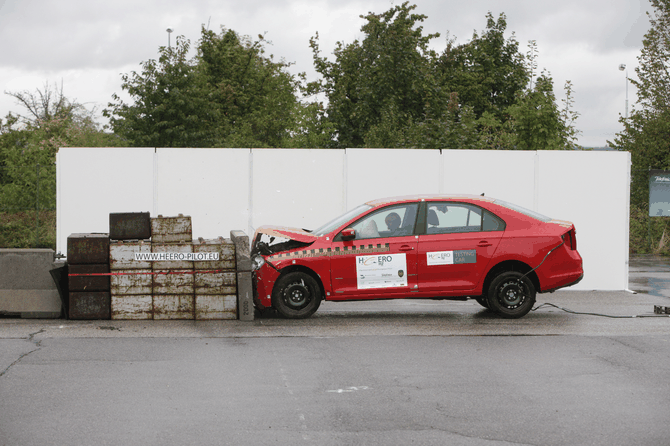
x=169 y=31
x=622 y=67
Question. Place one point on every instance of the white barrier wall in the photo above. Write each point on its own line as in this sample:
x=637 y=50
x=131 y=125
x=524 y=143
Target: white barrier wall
x=226 y=189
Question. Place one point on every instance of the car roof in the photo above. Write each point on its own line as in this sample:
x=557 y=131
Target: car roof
x=419 y=197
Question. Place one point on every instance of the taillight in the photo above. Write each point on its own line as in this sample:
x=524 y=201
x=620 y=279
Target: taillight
x=570 y=239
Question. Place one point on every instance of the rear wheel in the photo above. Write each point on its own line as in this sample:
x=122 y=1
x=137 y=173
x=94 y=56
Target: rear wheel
x=510 y=295
x=296 y=295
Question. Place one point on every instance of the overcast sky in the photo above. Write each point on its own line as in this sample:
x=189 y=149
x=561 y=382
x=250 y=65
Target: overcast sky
x=88 y=44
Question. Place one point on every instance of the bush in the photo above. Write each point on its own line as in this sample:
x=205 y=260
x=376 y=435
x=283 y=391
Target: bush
x=28 y=229
x=648 y=235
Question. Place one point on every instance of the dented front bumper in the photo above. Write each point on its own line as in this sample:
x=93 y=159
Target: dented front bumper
x=263 y=282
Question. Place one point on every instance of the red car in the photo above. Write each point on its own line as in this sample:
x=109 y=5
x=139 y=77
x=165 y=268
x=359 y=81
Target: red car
x=424 y=247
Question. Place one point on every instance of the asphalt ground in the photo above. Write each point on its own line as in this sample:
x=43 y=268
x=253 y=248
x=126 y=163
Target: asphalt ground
x=378 y=373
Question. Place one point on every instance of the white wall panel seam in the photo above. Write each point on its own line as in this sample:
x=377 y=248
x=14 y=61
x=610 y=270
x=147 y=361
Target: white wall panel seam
x=250 y=185
x=536 y=183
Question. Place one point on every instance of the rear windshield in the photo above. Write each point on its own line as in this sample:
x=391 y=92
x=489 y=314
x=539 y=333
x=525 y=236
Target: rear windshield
x=523 y=211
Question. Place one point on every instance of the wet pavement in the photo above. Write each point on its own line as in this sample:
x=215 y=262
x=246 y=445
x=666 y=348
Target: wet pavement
x=650 y=275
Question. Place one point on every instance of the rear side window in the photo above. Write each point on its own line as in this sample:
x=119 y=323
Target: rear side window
x=453 y=218
x=492 y=222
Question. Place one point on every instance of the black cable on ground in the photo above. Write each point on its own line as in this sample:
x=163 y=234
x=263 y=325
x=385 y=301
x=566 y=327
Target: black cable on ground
x=599 y=314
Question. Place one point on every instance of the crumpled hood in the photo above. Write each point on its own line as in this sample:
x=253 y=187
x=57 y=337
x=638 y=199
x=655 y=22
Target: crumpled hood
x=273 y=239
x=296 y=234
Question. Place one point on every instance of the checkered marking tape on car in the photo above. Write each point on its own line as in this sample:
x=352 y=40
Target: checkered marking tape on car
x=327 y=252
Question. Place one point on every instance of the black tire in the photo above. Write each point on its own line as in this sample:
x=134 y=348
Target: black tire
x=296 y=295
x=510 y=297
x=484 y=302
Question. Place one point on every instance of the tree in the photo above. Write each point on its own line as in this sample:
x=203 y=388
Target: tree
x=255 y=96
x=29 y=143
x=535 y=118
x=487 y=72
x=392 y=90
x=228 y=95
x=378 y=87
x=170 y=107
x=646 y=133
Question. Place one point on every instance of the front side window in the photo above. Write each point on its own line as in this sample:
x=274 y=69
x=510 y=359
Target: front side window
x=391 y=221
x=342 y=219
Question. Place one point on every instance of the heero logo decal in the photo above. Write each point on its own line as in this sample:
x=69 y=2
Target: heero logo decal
x=372 y=260
x=451 y=257
x=381 y=271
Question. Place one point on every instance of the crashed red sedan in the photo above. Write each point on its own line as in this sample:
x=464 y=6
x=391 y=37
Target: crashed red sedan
x=422 y=247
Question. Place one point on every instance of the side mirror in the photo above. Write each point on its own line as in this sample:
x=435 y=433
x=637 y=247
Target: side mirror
x=348 y=234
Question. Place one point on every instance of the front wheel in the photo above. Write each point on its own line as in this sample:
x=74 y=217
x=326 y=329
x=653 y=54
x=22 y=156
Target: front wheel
x=296 y=295
x=510 y=296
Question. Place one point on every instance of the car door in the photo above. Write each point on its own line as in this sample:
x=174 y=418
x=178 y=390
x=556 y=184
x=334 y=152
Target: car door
x=381 y=262
x=458 y=242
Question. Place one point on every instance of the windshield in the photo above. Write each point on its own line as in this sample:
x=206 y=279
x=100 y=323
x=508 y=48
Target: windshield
x=342 y=219
x=523 y=211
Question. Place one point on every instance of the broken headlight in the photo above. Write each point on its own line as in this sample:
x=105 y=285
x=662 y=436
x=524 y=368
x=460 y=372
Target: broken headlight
x=256 y=262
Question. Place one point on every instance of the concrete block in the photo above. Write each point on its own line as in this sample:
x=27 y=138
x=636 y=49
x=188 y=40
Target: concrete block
x=122 y=255
x=26 y=269
x=88 y=277
x=31 y=304
x=132 y=281
x=129 y=226
x=90 y=305
x=215 y=307
x=245 y=296
x=242 y=252
x=85 y=249
x=26 y=286
x=139 y=307
x=174 y=306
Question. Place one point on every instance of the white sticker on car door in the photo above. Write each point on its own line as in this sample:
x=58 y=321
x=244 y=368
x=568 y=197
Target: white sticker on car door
x=381 y=271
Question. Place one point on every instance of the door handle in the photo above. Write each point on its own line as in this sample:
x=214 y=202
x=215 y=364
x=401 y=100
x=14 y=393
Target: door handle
x=484 y=243
x=406 y=248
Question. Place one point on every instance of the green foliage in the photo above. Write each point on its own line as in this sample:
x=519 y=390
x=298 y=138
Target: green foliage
x=646 y=133
x=653 y=84
x=487 y=72
x=254 y=96
x=648 y=235
x=535 y=118
x=28 y=229
x=229 y=95
x=311 y=128
x=170 y=106
x=381 y=85
x=28 y=147
x=392 y=90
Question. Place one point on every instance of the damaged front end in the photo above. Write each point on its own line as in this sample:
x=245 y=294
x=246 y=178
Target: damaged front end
x=268 y=241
